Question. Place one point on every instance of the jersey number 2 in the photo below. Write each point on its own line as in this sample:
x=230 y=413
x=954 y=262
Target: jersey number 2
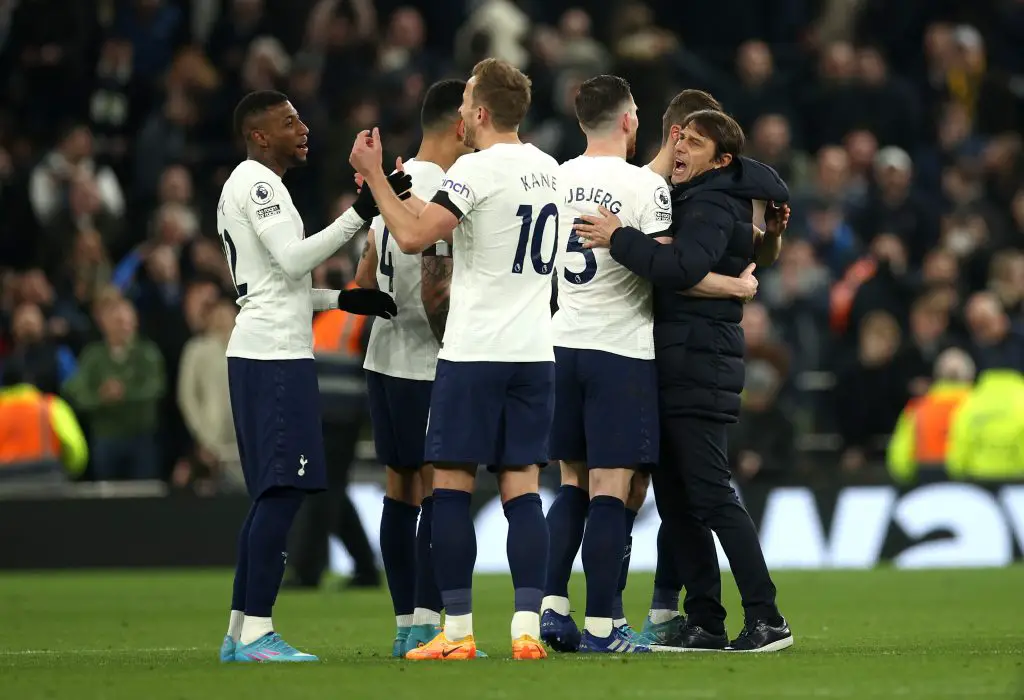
x=525 y=212
x=232 y=254
x=387 y=261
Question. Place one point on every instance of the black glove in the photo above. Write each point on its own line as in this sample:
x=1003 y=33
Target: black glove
x=367 y=302
x=366 y=207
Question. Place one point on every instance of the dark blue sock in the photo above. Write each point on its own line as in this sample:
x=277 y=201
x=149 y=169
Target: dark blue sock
x=666 y=577
x=453 y=544
x=274 y=514
x=567 y=517
x=427 y=595
x=242 y=563
x=527 y=549
x=398 y=551
x=602 y=553
x=617 y=610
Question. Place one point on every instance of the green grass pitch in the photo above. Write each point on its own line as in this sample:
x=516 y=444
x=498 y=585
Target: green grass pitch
x=873 y=634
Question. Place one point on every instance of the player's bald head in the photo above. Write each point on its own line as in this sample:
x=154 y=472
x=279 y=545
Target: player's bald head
x=253 y=107
x=441 y=105
x=682 y=106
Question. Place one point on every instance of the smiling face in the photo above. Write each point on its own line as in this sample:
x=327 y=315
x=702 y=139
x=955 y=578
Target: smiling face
x=695 y=155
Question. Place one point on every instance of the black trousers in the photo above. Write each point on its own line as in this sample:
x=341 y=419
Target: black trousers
x=694 y=498
x=332 y=511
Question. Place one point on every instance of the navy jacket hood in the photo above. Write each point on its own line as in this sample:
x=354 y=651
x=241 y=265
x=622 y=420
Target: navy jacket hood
x=745 y=178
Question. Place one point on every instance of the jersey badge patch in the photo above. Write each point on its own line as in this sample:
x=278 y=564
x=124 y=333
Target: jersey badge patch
x=272 y=210
x=261 y=193
x=661 y=198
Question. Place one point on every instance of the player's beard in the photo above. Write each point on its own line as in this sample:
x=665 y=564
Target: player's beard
x=631 y=147
x=469 y=137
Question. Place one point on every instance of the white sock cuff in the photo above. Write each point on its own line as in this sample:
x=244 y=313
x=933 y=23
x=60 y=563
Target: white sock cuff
x=555 y=603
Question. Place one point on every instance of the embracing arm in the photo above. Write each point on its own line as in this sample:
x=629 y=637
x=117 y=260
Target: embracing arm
x=688 y=259
x=413 y=232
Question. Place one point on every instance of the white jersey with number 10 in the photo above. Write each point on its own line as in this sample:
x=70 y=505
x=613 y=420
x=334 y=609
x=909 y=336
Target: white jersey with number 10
x=504 y=249
x=601 y=304
x=404 y=346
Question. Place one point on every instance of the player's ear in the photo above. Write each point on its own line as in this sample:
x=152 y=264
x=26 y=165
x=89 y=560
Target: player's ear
x=675 y=133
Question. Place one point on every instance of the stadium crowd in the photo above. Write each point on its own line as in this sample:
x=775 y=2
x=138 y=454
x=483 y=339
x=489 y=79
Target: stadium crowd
x=896 y=125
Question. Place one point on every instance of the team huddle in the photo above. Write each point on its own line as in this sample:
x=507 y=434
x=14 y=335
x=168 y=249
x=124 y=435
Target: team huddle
x=466 y=366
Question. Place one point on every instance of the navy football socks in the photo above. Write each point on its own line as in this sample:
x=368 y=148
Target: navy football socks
x=242 y=563
x=603 y=546
x=527 y=550
x=566 y=520
x=398 y=552
x=617 y=610
x=273 y=515
x=453 y=540
x=427 y=595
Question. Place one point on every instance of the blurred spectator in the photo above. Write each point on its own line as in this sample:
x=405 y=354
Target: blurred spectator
x=920 y=443
x=997 y=342
x=762 y=346
x=204 y=402
x=496 y=28
x=929 y=335
x=771 y=143
x=887 y=105
x=985 y=442
x=40 y=439
x=870 y=393
x=760 y=90
x=119 y=384
x=34 y=358
x=232 y=34
x=70 y=162
x=155 y=29
x=761 y=443
x=888 y=285
x=892 y=206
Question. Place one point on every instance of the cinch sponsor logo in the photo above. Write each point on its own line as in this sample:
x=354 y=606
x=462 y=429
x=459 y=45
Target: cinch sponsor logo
x=456 y=187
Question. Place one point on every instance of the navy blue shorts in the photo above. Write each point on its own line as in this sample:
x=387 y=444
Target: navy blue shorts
x=493 y=413
x=276 y=407
x=606 y=410
x=398 y=411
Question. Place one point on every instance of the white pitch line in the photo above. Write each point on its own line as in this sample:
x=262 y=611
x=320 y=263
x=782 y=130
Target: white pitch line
x=56 y=652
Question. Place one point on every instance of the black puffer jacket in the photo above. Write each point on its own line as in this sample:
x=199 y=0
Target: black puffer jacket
x=699 y=342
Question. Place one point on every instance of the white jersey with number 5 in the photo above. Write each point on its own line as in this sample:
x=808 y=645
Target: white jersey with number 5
x=404 y=347
x=504 y=248
x=602 y=305
x=275 y=321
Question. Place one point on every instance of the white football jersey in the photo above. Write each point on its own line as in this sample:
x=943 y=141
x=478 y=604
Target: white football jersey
x=276 y=317
x=504 y=255
x=601 y=304
x=404 y=347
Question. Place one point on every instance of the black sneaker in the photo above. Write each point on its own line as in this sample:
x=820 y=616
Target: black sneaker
x=695 y=638
x=761 y=636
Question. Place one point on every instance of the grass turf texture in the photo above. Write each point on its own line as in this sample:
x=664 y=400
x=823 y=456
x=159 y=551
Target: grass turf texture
x=881 y=634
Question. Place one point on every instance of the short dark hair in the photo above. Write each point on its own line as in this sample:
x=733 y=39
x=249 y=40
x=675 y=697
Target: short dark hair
x=599 y=99
x=441 y=104
x=720 y=128
x=504 y=91
x=682 y=106
x=253 y=104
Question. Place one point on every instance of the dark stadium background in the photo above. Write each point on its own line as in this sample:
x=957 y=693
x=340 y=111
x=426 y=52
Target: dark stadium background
x=897 y=126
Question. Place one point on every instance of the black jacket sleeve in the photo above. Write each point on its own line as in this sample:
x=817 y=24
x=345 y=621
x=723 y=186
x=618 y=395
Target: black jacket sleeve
x=701 y=238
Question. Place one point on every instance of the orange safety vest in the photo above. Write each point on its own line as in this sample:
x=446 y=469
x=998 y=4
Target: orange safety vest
x=933 y=417
x=26 y=431
x=338 y=331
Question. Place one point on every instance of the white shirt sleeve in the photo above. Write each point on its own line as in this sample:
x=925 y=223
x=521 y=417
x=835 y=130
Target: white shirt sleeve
x=297 y=257
x=654 y=209
x=464 y=185
x=324 y=299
